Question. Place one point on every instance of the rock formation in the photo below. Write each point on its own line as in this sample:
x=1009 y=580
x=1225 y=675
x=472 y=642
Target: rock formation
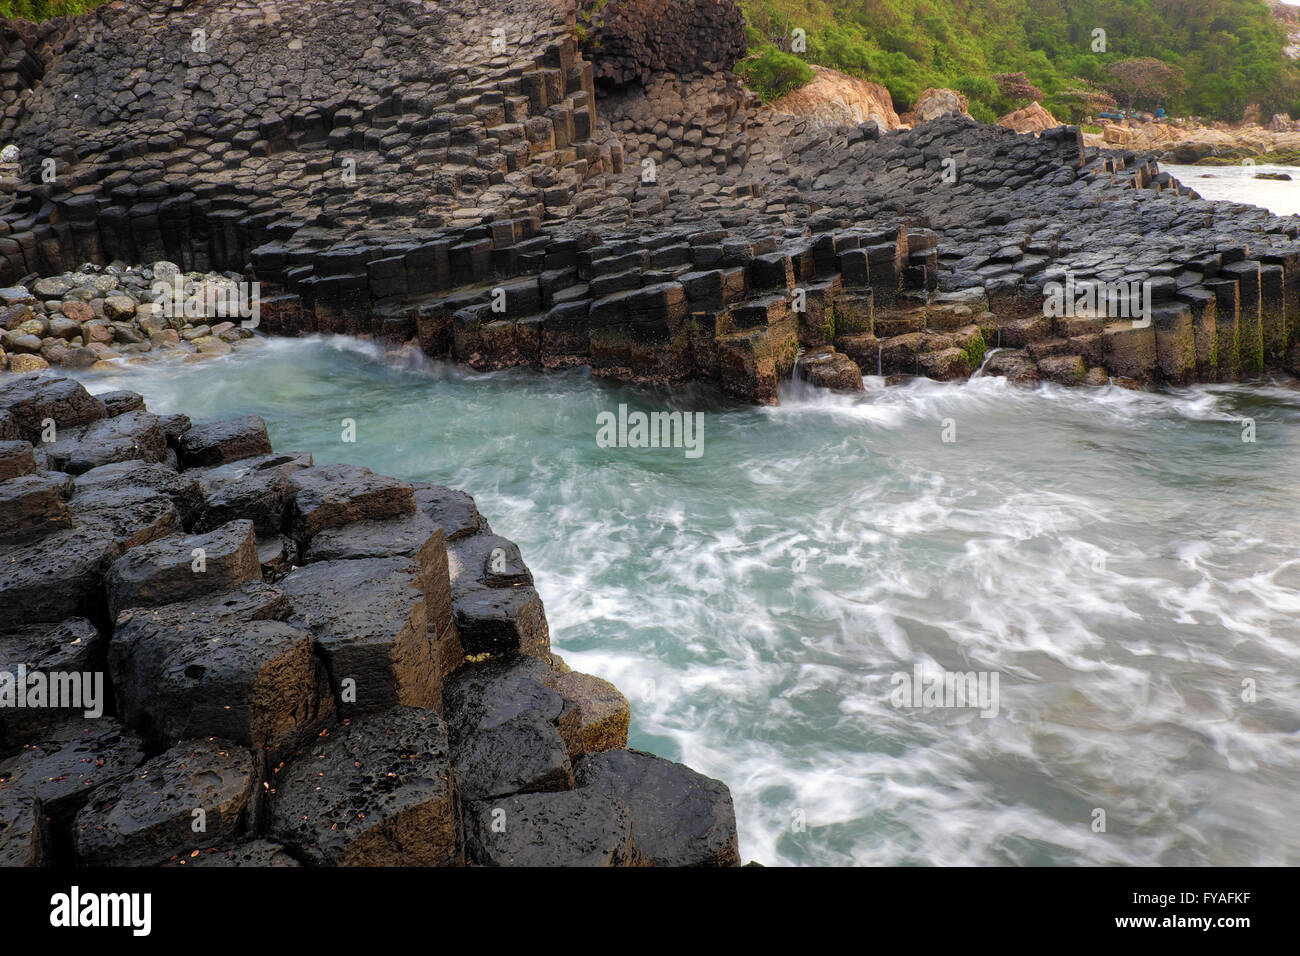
x=636 y=39
x=932 y=104
x=1030 y=119
x=332 y=666
x=834 y=99
x=1182 y=142
x=447 y=175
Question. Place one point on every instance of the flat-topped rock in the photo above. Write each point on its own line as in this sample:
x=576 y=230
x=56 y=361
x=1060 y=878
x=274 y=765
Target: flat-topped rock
x=568 y=828
x=193 y=796
x=679 y=817
x=217 y=443
x=503 y=720
x=331 y=495
x=34 y=400
x=253 y=683
x=63 y=766
x=370 y=621
x=377 y=792
x=180 y=567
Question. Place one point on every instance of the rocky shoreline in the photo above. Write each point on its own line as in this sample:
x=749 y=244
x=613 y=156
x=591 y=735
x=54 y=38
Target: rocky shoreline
x=546 y=200
x=89 y=317
x=327 y=666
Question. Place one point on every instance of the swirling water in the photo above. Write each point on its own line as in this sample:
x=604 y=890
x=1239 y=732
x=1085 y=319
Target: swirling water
x=1125 y=563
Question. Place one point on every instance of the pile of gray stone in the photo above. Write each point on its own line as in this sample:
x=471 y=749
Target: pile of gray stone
x=96 y=314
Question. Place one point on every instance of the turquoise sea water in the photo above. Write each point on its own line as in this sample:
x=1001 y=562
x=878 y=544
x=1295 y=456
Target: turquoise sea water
x=1122 y=562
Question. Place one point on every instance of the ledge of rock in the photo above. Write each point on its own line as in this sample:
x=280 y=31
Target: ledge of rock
x=477 y=197
x=836 y=99
x=385 y=696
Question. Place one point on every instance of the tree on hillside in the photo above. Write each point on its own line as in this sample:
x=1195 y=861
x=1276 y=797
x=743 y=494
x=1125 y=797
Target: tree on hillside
x=1086 y=100
x=1017 y=86
x=1145 y=82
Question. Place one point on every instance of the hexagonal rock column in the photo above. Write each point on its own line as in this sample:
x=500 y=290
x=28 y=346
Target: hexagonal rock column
x=181 y=567
x=64 y=766
x=370 y=620
x=252 y=682
x=376 y=792
x=505 y=729
x=568 y=828
x=679 y=817
x=73 y=646
x=153 y=815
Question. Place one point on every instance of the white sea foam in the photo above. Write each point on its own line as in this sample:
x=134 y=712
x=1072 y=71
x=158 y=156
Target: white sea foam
x=1121 y=560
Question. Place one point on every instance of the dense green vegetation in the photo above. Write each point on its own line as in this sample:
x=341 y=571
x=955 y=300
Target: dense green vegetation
x=1221 y=55
x=772 y=73
x=45 y=9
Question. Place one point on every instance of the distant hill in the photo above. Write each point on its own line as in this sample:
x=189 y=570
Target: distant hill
x=1229 y=54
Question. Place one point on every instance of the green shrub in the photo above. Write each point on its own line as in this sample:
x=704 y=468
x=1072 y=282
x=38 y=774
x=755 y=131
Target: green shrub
x=772 y=74
x=38 y=10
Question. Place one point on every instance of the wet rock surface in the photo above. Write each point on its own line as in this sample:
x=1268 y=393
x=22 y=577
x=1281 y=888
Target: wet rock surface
x=380 y=675
x=194 y=795
x=377 y=792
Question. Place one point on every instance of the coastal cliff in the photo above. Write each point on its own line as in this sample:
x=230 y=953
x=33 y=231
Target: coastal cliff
x=491 y=190
x=332 y=666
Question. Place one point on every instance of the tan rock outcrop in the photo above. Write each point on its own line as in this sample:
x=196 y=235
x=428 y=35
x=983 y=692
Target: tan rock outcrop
x=932 y=104
x=836 y=99
x=1032 y=119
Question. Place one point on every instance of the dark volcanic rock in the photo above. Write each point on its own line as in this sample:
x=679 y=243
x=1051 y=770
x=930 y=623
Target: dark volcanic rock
x=486 y=560
x=333 y=495
x=16 y=459
x=63 y=766
x=453 y=511
x=57 y=577
x=414 y=536
x=256 y=488
x=377 y=792
x=251 y=682
x=217 y=443
x=131 y=436
x=32 y=400
x=679 y=817
x=568 y=828
x=249 y=853
x=120 y=401
x=72 y=646
x=127 y=519
x=502 y=620
x=125 y=479
x=31 y=506
x=181 y=567
x=502 y=718
x=201 y=785
x=22 y=831
x=370 y=620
